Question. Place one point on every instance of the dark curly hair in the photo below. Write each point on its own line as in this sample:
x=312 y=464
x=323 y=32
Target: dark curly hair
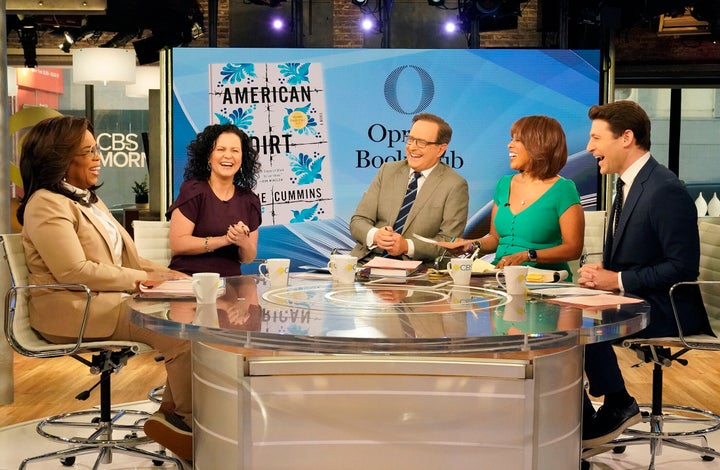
x=199 y=151
x=47 y=151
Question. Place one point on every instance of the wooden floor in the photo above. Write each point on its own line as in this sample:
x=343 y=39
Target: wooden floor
x=44 y=387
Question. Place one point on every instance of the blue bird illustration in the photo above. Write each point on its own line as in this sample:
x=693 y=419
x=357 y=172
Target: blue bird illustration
x=304 y=215
x=306 y=168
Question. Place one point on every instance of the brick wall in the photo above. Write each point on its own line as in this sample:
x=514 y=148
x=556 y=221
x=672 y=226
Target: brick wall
x=640 y=45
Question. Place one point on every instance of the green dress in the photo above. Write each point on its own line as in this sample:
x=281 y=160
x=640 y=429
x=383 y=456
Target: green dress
x=538 y=225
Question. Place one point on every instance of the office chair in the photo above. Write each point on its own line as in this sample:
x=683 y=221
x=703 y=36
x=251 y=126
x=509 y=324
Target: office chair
x=593 y=240
x=686 y=422
x=152 y=240
x=106 y=357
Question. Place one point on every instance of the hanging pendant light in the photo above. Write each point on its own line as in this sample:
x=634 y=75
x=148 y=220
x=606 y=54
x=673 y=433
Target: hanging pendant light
x=146 y=79
x=103 y=66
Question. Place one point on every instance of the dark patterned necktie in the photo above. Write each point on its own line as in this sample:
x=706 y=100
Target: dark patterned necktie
x=407 y=203
x=618 y=204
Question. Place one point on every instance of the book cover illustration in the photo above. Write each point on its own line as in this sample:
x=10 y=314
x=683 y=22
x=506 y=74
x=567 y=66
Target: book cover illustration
x=281 y=106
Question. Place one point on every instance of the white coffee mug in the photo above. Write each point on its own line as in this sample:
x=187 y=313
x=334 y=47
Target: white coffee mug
x=205 y=287
x=460 y=269
x=276 y=271
x=342 y=268
x=515 y=279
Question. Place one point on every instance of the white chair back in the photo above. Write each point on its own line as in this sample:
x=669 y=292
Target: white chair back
x=18 y=332
x=594 y=231
x=152 y=240
x=593 y=241
x=710 y=271
x=17 y=328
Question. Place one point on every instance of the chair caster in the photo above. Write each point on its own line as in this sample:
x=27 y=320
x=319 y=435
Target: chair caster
x=584 y=465
x=619 y=449
x=67 y=461
x=156 y=462
x=707 y=458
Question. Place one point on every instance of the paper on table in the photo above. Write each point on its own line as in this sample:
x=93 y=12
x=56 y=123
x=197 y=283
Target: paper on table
x=597 y=300
x=425 y=239
x=559 y=289
x=390 y=263
x=179 y=288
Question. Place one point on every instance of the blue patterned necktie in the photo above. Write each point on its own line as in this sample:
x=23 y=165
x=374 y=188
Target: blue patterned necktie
x=407 y=203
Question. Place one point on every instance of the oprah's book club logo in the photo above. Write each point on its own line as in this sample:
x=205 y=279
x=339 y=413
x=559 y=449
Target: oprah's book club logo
x=281 y=106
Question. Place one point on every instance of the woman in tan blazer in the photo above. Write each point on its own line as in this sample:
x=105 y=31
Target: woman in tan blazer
x=70 y=236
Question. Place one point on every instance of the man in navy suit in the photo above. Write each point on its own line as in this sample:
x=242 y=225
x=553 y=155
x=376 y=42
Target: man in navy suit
x=651 y=245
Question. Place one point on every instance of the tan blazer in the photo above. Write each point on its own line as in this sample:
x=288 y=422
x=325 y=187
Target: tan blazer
x=65 y=243
x=439 y=212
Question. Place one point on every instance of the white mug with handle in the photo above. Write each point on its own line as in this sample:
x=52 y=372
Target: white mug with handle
x=276 y=271
x=460 y=269
x=515 y=279
x=205 y=287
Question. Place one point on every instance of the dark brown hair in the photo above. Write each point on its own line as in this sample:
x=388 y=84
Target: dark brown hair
x=444 y=133
x=624 y=115
x=47 y=151
x=544 y=140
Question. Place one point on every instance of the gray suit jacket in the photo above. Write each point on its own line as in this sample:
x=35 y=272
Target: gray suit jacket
x=439 y=212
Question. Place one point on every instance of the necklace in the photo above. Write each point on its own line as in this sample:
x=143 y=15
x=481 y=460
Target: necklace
x=522 y=203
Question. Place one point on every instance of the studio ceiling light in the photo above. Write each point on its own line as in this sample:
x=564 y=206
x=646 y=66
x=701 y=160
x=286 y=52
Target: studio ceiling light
x=67 y=43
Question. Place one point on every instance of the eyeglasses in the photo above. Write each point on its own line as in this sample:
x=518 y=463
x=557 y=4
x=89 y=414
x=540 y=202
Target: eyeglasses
x=420 y=143
x=89 y=152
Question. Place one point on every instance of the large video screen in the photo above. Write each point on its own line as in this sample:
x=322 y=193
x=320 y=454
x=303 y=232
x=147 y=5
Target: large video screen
x=324 y=120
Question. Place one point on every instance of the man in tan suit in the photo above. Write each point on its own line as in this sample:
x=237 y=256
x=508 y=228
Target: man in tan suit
x=440 y=207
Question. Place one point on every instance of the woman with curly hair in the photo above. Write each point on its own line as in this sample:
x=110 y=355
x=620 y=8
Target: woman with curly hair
x=215 y=219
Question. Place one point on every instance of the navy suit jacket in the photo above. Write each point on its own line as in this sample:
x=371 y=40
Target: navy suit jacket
x=655 y=245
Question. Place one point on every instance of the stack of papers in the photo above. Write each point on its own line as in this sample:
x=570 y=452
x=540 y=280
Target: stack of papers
x=602 y=300
x=389 y=267
x=175 y=289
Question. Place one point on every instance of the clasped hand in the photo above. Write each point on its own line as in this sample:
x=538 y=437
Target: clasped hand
x=390 y=241
x=593 y=275
x=238 y=233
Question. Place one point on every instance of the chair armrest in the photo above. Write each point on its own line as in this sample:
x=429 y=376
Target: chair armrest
x=674 y=306
x=15 y=304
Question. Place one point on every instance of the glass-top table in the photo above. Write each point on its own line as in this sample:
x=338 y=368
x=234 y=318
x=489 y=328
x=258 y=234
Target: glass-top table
x=423 y=316
x=426 y=373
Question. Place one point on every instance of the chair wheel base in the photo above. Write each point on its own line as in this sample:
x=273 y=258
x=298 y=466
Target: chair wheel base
x=52 y=427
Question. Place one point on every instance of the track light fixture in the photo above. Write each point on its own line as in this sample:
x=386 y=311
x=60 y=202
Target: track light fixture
x=360 y=3
x=436 y=3
x=28 y=39
x=67 y=43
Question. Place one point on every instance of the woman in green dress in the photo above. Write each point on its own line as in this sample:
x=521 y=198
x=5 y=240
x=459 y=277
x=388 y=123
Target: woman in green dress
x=537 y=219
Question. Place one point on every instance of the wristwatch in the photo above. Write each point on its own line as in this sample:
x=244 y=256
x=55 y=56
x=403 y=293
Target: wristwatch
x=532 y=255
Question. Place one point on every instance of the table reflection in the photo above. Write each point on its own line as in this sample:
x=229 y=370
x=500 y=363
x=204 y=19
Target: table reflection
x=317 y=315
